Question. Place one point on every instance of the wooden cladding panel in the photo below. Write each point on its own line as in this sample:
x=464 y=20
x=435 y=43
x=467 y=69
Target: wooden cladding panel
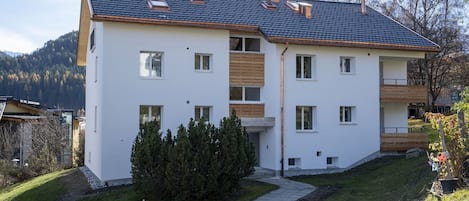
x=403 y=141
x=248 y=110
x=403 y=94
x=246 y=69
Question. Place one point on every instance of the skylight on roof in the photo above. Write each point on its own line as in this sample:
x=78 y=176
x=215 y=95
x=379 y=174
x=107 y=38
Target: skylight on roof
x=293 y=5
x=268 y=5
x=158 y=3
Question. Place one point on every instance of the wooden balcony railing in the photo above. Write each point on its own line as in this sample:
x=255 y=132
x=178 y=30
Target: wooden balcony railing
x=395 y=139
x=403 y=91
x=248 y=110
x=247 y=69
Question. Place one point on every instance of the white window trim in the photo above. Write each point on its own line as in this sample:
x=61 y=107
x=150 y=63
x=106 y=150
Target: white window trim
x=313 y=122
x=353 y=116
x=352 y=65
x=162 y=66
x=201 y=107
x=210 y=62
x=244 y=101
x=313 y=67
x=243 y=41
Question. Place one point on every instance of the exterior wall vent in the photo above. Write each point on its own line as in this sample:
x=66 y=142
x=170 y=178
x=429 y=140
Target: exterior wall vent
x=160 y=5
x=268 y=5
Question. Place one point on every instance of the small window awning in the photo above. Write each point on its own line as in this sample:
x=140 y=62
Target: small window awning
x=257 y=124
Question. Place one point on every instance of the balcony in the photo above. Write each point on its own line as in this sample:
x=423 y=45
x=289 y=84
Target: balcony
x=403 y=138
x=248 y=110
x=247 y=69
x=402 y=91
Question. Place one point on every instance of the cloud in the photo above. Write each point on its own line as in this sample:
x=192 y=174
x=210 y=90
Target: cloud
x=16 y=42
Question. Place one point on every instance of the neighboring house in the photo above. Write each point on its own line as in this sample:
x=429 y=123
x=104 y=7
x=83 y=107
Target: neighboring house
x=26 y=116
x=315 y=83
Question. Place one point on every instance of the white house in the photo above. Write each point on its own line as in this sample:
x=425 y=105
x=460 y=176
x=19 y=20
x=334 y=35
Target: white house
x=316 y=83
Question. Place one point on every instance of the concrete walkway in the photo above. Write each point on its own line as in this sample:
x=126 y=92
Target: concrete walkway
x=289 y=190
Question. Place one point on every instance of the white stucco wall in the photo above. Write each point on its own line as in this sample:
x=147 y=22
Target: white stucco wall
x=394 y=72
x=395 y=117
x=93 y=146
x=180 y=89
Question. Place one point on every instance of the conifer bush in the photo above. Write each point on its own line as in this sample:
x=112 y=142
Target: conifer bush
x=201 y=162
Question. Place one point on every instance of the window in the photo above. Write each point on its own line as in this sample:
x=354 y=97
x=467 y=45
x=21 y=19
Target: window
x=347 y=65
x=294 y=163
x=347 y=114
x=96 y=70
x=245 y=44
x=304 y=67
x=202 y=112
x=202 y=62
x=151 y=64
x=149 y=113
x=304 y=118
x=92 y=42
x=245 y=94
x=291 y=162
x=332 y=161
x=95 y=118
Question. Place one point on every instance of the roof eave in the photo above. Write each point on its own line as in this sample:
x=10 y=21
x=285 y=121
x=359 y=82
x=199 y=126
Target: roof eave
x=353 y=44
x=84 y=29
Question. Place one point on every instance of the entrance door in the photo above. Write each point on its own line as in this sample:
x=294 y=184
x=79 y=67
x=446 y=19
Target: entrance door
x=254 y=139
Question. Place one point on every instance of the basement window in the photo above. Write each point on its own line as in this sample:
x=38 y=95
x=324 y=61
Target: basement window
x=294 y=163
x=332 y=161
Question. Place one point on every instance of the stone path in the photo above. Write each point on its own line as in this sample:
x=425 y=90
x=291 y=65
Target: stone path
x=289 y=190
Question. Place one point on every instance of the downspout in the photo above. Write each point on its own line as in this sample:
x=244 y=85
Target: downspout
x=282 y=104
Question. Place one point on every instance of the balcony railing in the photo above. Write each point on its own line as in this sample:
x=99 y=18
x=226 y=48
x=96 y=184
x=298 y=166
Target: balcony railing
x=403 y=91
x=403 y=138
x=400 y=82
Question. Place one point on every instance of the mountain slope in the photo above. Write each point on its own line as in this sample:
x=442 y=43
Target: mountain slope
x=48 y=75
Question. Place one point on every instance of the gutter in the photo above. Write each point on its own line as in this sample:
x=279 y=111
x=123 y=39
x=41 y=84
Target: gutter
x=282 y=106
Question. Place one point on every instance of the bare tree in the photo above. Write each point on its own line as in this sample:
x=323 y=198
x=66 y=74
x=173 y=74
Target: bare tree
x=439 y=21
x=9 y=140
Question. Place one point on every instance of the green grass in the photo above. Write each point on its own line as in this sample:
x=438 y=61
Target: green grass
x=462 y=194
x=388 y=178
x=42 y=188
x=250 y=191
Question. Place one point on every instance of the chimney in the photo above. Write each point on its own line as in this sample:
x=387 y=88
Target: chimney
x=306 y=9
x=363 y=7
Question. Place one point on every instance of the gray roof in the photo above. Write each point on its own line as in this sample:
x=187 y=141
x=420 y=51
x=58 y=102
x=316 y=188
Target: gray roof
x=331 y=21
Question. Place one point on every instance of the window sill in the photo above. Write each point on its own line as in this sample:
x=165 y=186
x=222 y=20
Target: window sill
x=348 y=123
x=246 y=102
x=307 y=131
x=342 y=73
x=306 y=79
x=151 y=78
x=203 y=71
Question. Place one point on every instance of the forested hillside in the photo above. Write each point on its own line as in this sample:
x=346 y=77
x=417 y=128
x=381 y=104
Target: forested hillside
x=49 y=75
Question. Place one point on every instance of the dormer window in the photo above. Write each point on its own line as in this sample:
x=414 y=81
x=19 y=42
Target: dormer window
x=158 y=5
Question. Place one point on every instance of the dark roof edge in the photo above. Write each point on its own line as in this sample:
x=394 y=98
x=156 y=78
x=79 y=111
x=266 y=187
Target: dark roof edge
x=353 y=44
x=235 y=27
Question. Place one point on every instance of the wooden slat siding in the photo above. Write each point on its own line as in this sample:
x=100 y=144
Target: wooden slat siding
x=403 y=141
x=246 y=69
x=403 y=94
x=248 y=110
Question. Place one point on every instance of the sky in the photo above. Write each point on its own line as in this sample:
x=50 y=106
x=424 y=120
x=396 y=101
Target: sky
x=26 y=25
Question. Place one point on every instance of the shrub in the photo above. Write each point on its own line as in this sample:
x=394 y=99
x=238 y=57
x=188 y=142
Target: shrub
x=200 y=163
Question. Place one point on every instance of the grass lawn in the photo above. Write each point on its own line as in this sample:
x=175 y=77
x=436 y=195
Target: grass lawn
x=43 y=188
x=250 y=191
x=462 y=194
x=387 y=178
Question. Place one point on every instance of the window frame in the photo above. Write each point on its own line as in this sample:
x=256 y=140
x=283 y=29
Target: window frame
x=150 y=76
x=93 y=40
x=351 y=67
x=343 y=115
x=201 y=112
x=243 y=95
x=243 y=44
x=333 y=161
x=201 y=61
x=302 y=68
x=302 y=120
x=149 y=112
